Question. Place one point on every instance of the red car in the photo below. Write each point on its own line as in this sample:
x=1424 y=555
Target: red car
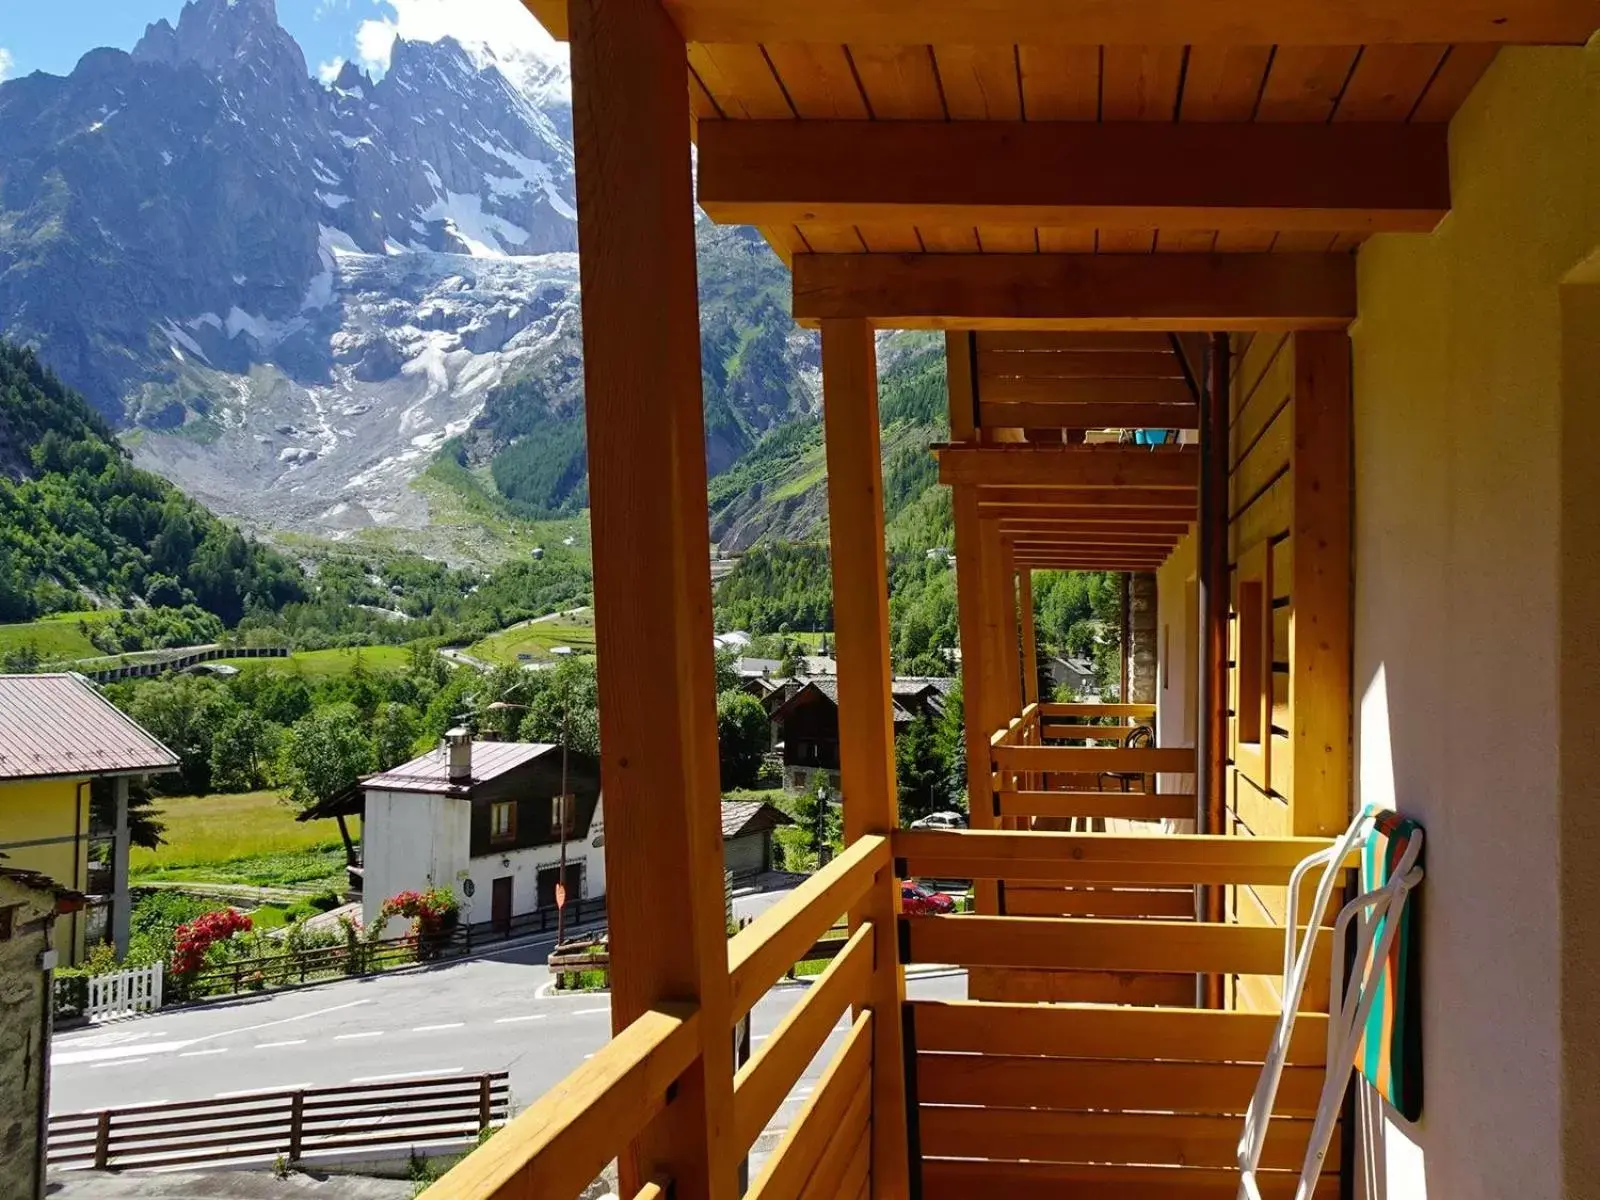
x=919 y=901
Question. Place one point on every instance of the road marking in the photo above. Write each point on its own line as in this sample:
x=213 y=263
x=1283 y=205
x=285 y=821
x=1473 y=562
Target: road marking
x=431 y=1028
x=269 y=1024
x=275 y=1045
x=121 y=1062
x=109 y=1053
x=201 y=1053
x=407 y=1074
x=282 y=1087
x=348 y=1037
x=526 y=1017
x=584 y=1012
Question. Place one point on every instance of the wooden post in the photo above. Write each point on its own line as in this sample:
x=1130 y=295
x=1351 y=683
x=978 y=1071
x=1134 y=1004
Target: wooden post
x=1319 y=669
x=1212 y=723
x=102 y=1140
x=1030 y=645
x=866 y=705
x=652 y=571
x=485 y=1105
x=121 y=898
x=1123 y=632
x=297 y=1114
x=962 y=375
x=1010 y=631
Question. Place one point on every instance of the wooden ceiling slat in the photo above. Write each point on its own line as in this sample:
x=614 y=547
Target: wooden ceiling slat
x=1181 y=292
x=1071 y=343
x=1175 y=520
x=1185 y=241
x=890 y=239
x=1056 y=240
x=1222 y=83
x=1304 y=82
x=1303 y=241
x=741 y=82
x=819 y=81
x=1125 y=241
x=1060 y=83
x=1345 y=242
x=1043 y=466
x=1387 y=82
x=824 y=238
x=1124 y=22
x=1090 y=365
x=899 y=81
x=949 y=239
x=1460 y=71
x=1007 y=239
x=1244 y=241
x=701 y=106
x=1140 y=83
x=1051 y=525
x=980 y=82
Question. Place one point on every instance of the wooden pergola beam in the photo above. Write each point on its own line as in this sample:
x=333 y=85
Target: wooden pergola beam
x=1033 y=540
x=1129 y=22
x=1053 y=415
x=1345 y=177
x=1047 y=466
x=1183 y=292
x=1119 y=504
x=1152 y=529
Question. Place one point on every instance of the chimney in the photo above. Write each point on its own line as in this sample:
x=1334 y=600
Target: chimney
x=459 y=743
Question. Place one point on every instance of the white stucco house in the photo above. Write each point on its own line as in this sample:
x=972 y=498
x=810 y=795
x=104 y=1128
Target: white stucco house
x=484 y=819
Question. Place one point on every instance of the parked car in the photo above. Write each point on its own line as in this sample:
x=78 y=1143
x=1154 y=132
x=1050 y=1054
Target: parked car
x=940 y=820
x=917 y=900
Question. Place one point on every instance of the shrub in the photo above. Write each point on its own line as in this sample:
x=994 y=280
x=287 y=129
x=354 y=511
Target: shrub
x=192 y=940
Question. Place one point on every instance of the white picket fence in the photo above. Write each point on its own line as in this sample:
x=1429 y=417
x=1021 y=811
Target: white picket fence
x=125 y=993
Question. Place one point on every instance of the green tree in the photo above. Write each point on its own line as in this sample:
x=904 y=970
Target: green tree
x=920 y=770
x=241 y=751
x=743 y=736
x=566 y=705
x=183 y=712
x=324 y=754
x=394 y=732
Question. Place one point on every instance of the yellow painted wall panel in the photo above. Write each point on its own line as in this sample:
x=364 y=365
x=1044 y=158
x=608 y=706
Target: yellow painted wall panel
x=44 y=811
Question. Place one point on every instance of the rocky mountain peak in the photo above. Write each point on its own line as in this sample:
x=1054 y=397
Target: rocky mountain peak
x=223 y=35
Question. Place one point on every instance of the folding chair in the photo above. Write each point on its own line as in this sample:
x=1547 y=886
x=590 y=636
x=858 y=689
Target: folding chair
x=1378 y=1041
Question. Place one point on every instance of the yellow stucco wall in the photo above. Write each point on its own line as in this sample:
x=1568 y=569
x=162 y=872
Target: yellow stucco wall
x=1475 y=664
x=36 y=809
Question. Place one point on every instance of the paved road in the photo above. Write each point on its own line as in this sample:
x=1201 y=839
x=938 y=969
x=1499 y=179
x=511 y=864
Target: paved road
x=458 y=1018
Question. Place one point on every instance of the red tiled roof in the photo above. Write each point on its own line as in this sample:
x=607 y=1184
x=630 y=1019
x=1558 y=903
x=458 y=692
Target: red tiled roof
x=55 y=725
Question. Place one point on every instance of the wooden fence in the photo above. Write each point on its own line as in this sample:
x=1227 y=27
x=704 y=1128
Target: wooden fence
x=300 y=966
x=374 y=1117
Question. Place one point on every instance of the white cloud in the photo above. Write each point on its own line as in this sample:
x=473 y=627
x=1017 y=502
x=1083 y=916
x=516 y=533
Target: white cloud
x=5 y=62
x=502 y=30
x=329 y=71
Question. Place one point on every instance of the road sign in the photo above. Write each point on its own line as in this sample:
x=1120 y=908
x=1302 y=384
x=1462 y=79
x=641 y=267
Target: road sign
x=561 y=895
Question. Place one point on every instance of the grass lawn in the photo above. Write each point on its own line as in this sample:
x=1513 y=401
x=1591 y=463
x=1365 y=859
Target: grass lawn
x=248 y=837
x=537 y=638
x=57 y=637
x=331 y=664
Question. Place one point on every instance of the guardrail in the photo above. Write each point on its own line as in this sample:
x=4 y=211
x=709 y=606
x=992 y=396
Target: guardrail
x=292 y=1124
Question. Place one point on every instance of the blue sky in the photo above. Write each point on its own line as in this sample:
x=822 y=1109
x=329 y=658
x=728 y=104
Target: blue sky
x=53 y=36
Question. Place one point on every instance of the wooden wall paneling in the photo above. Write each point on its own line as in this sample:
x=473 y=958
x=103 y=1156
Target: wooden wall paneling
x=1268 y=515
x=866 y=704
x=1251 y=671
x=1256 y=354
x=642 y=380
x=1320 y=684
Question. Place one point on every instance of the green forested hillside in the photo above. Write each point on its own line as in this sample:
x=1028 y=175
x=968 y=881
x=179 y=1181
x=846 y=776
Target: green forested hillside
x=77 y=518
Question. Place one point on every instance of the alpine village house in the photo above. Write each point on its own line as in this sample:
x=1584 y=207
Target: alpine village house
x=1340 y=257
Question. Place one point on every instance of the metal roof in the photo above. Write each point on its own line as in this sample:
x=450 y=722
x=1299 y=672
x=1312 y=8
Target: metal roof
x=751 y=816
x=59 y=725
x=430 y=772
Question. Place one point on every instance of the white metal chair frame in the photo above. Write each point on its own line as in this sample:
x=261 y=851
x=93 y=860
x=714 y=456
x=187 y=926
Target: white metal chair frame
x=1348 y=1003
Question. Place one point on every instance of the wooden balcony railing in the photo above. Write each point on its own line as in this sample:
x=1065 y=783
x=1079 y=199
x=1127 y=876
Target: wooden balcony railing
x=557 y=1147
x=1130 y=1090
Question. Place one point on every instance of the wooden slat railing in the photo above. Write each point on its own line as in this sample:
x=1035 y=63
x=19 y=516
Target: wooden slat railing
x=556 y=1148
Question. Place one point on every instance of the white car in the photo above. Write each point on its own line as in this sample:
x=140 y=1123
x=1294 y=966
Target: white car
x=940 y=820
